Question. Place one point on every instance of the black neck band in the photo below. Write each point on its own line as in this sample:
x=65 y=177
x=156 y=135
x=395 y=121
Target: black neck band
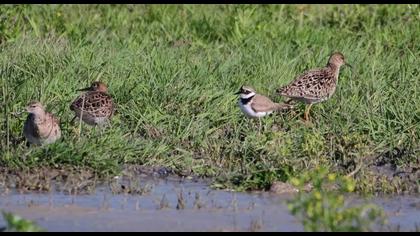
x=246 y=100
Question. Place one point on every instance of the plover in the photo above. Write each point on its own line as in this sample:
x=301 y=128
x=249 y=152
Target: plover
x=254 y=105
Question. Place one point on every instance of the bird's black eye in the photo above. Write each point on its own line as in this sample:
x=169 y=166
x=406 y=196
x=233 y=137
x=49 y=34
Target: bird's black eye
x=247 y=91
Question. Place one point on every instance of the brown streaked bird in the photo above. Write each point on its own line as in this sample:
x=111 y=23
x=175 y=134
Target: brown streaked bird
x=254 y=105
x=41 y=127
x=316 y=85
x=95 y=107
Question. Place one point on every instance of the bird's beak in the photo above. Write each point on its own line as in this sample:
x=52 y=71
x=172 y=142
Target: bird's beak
x=239 y=92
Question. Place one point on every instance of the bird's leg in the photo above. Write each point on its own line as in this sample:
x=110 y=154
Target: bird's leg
x=254 y=123
x=108 y=124
x=306 y=116
x=103 y=126
x=72 y=120
x=99 y=127
x=81 y=117
x=80 y=127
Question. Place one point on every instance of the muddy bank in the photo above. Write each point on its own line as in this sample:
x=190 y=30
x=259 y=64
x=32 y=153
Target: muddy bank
x=385 y=175
x=170 y=204
x=75 y=180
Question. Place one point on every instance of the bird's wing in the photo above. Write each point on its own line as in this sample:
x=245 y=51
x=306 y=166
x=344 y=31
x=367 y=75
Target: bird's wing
x=262 y=104
x=95 y=103
x=54 y=118
x=308 y=85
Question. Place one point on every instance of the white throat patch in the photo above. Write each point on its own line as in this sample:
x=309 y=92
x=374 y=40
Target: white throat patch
x=246 y=96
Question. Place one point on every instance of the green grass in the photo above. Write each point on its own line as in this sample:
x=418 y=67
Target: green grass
x=322 y=210
x=16 y=223
x=176 y=106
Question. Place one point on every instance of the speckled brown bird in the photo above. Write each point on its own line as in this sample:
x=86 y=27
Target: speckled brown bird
x=40 y=127
x=96 y=106
x=316 y=85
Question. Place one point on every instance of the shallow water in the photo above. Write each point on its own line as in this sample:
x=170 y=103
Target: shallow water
x=215 y=210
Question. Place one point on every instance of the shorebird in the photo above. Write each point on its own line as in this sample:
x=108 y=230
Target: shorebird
x=316 y=85
x=254 y=105
x=95 y=107
x=41 y=127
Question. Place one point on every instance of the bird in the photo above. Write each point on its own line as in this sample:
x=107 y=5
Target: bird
x=315 y=85
x=41 y=127
x=254 y=105
x=95 y=106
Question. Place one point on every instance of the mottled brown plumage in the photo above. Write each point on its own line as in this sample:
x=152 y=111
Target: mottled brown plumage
x=315 y=85
x=95 y=106
x=40 y=127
